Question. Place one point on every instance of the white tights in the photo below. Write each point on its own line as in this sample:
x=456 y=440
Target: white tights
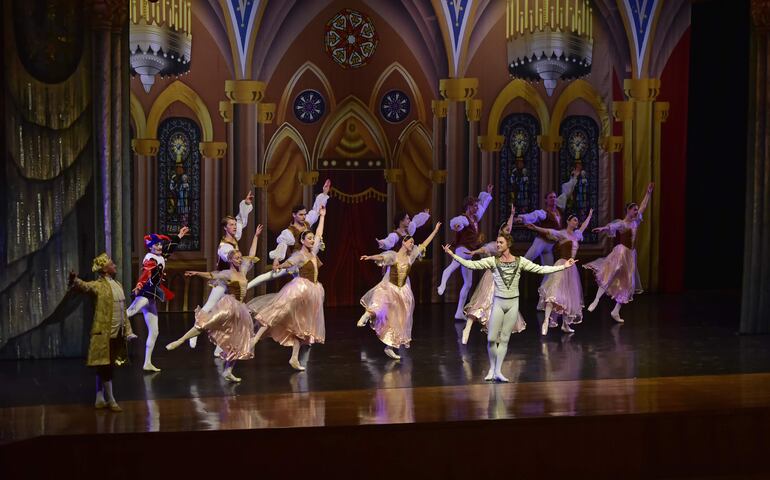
x=150 y=313
x=505 y=312
x=467 y=280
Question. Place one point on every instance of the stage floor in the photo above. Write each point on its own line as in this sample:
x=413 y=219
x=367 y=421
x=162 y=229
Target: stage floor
x=673 y=354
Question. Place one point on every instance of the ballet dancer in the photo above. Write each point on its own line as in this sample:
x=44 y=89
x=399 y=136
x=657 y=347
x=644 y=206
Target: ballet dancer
x=467 y=239
x=294 y=316
x=390 y=304
x=151 y=287
x=229 y=325
x=507 y=270
x=561 y=293
x=617 y=274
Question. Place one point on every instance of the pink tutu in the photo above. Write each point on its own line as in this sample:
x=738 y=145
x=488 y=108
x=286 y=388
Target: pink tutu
x=230 y=327
x=617 y=274
x=393 y=308
x=563 y=290
x=296 y=311
x=479 y=308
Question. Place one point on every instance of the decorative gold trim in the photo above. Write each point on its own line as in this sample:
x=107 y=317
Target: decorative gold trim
x=623 y=111
x=245 y=91
x=416 y=94
x=518 y=88
x=473 y=109
x=550 y=143
x=611 y=144
x=266 y=113
x=146 y=147
x=438 y=176
x=458 y=89
x=289 y=88
x=403 y=137
x=661 y=110
x=491 y=143
x=642 y=89
x=393 y=175
x=439 y=108
x=308 y=179
x=369 y=193
x=352 y=106
x=215 y=150
x=226 y=110
x=261 y=180
x=180 y=92
x=138 y=116
x=580 y=89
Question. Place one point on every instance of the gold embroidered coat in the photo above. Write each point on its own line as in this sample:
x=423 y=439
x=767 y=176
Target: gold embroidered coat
x=99 y=347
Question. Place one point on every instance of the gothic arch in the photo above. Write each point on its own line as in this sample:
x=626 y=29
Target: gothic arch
x=285 y=96
x=179 y=92
x=413 y=87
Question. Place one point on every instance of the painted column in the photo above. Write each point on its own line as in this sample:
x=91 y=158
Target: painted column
x=490 y=155
x=473 y=114
x=438 y=176
x=261 y=180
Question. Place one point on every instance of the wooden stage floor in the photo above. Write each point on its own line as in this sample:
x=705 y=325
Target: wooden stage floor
x=672 y=393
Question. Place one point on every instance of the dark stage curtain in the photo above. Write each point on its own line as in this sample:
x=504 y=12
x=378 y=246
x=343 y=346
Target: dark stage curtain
x=350 y=231
x=755 y=315
x=674 y=87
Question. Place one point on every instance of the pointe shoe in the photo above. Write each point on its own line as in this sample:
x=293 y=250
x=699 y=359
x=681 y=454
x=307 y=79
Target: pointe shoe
x=99 y=404
x=466 y=334
x=217 y=352
x=389 y=352
x=363 y=320
x=499 y=377
x=231 y=378
x=441 y=289
x=114 y=407
x=616 y=317
x=296 y=365
x=544 y=327
x=552 y=323
x=149 y=367
x=193 y=342
x=490 y=376
x=174 y=345
x=593 y=306
x=566 y=328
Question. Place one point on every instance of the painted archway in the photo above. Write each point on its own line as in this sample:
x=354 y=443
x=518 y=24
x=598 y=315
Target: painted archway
x=396 y=67
x=518 y=89
x=580 y=89
x=180 y=92
x=286 y=95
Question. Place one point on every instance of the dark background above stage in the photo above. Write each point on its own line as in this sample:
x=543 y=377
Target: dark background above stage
x=716 y=144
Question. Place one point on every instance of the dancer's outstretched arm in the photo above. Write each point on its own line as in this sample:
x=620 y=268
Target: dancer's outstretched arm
x=646 y=199
x=254 y=241
x=484 y=199
x=375 y=258
x=319 y=232
x=533 y=267
x=585 y=223
x=430 y=238
x=544 y=231
x=242 y=218
x=320 y=201
x=483 y=264
x=509 y=225
x=566 y=190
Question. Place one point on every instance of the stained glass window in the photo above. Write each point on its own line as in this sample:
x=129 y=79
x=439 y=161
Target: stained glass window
x=179 y=180
x=519 y=178
x=580 y=152
x=350 y=39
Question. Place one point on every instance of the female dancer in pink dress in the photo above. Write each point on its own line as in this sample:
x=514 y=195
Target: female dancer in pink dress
x=479 y=308
x=295 y=315
x=561 y=292
x=229 y=325
x=616 y=273
x=390 y=304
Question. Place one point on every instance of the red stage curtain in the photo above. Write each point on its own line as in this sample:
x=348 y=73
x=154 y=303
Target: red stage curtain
x=674 y=88
x=350 y=231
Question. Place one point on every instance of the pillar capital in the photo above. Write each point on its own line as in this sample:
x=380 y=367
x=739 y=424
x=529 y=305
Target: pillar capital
x=245 y=91
x=393 y=175
x=491 y=143
x=226 y=110
x=473 y=109
x=438 y=176
x=642 y=89
x=439 y=108
x=146 y=147
x=549 y=144
x=308 y=179
x=458 y=89
x=261 y=180
x=661 y=110
x=611 y=144
x=622 y=111
x=215 y=150
x=266 y=113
